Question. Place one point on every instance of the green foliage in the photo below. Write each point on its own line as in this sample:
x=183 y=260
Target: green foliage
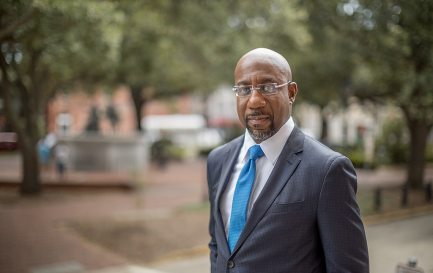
x=376 y=50
x=60 y=44
x=356 y=154
x=357 y=158
x=164 y=150
x=388 y=45
x=204 y=152
x=393 y=142
x=194 y=45
x=392 y=45
x=160 y=149
x=48 y=45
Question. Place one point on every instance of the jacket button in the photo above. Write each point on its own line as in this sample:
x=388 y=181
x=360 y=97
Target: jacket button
x=230 y=264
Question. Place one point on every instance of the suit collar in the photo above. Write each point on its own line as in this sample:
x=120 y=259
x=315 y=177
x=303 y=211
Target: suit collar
x=230 y=155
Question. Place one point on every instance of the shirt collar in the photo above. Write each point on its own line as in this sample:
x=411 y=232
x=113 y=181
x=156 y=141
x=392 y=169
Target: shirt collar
x=272 y=146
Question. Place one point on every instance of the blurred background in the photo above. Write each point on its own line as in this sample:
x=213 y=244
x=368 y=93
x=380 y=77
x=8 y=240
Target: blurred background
x=108 y=110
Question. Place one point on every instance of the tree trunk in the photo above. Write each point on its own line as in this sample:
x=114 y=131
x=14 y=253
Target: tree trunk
x=418 y=142
x=28 y=137
x=23 y=122
x=324 y=131
x=30 y=183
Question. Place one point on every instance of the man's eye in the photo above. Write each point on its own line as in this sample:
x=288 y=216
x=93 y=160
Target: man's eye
x=267 y=88
x=244 y=90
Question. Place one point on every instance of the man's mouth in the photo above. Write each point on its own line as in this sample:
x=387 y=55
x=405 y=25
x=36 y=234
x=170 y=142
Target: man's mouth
x=258 y=121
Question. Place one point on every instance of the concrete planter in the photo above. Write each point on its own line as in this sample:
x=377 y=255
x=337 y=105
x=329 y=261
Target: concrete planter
x=94 y=152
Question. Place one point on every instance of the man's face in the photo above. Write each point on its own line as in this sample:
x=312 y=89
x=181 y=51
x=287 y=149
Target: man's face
x=262 y=115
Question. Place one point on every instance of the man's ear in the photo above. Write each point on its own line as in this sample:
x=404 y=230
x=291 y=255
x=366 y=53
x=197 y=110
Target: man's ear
x=293 y=91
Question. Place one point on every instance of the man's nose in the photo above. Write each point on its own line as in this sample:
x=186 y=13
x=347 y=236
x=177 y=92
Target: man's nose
x=256 y=100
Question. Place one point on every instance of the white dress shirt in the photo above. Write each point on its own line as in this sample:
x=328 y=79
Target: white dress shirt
x=272 y=148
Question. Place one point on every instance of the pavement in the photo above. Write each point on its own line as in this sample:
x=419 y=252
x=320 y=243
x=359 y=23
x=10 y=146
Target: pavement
x=396 y=241
x=34 y=240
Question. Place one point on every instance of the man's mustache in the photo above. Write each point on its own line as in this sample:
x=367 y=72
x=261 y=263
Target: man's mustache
x=256 y=114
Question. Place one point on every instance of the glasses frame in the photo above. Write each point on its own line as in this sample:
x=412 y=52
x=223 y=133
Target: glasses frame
x=258 y=88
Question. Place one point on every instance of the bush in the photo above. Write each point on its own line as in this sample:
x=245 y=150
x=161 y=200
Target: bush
x=357 y=156
x=392 y=145
x=160 y=150
x=204 y=152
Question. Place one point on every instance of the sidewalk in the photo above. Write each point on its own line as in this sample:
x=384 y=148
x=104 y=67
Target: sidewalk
x=389 y=244
x=34 y=240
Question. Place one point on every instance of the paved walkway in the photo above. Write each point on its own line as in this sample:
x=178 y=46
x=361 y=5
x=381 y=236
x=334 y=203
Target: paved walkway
x=396 y=241
x=389 y=244
x=34 y=240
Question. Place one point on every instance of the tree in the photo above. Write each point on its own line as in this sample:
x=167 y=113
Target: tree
x=138 y=42
x=157 y=48
x=393 y=40
x=46 y=46
x=167 y=48
x=326 y=71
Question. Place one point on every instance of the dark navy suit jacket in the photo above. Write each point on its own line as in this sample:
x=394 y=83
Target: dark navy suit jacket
x=306 y=218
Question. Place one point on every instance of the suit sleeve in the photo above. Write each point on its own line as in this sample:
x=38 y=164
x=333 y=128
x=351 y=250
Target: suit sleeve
x=340 y=226
x=212 y=244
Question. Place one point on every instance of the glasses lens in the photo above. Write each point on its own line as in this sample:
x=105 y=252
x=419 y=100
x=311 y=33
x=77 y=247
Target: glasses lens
x=267 y=89
x=242 y=90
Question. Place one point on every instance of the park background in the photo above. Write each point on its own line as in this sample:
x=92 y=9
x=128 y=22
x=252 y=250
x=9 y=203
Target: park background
x=109 y=108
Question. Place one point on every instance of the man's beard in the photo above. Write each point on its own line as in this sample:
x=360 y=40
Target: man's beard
x=259 y=136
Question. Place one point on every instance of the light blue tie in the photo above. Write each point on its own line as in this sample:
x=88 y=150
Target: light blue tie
x=241 y=196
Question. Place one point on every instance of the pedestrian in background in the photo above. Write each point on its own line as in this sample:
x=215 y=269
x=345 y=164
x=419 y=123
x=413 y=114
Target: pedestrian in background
x=61 y=158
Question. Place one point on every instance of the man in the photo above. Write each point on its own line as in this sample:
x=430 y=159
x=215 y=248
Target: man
x=281 y=202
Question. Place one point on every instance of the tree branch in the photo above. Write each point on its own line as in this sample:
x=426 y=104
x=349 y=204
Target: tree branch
x=12 y=27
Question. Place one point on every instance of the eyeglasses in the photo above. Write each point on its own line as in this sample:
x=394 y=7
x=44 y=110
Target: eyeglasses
x=265 y=89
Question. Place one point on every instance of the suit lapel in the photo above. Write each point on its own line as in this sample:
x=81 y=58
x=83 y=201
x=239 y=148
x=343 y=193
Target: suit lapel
x=229 y=159
x=280 y=175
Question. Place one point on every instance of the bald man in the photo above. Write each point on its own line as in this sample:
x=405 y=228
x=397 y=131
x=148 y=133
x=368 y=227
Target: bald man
x=281 y=202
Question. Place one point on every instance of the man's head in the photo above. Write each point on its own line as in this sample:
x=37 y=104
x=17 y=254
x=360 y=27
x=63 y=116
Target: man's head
x=264 y=114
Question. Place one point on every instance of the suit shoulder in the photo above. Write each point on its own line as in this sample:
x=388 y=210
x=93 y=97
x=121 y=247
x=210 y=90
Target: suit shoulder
x=323 y=160
x=320 y=151
x=218 y=157
x=216 y=153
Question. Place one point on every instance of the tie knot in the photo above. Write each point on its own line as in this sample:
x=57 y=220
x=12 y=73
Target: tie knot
x=255 y=152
